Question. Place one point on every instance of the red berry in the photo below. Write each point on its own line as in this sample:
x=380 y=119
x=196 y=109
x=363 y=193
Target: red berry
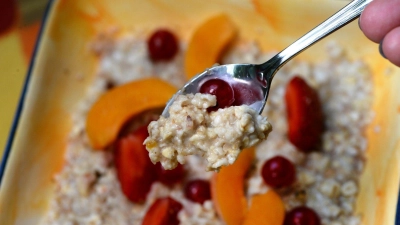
x=198 y=191
x=278 y=172
x=164 y=211
x=170 y=177
x=8 y=15
x=302 y=215
x=246 y=94
x=162 y=45
x=221 y=89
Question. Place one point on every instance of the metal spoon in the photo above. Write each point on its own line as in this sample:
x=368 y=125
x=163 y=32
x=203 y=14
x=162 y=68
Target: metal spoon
x=259 y=77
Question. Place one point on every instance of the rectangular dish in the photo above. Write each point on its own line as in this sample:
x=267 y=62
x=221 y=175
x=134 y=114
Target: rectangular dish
x=63 y=68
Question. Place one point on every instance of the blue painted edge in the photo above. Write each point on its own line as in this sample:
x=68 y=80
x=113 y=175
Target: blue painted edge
x=21 y=102
x=397 y=219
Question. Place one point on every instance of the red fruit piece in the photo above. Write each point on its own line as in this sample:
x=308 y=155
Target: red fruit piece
x=302 y=215
x=8 y=15
x=164 y=211
x=304 y=114
x=198 y=191
x=135 y=171
x=162 y=45
x=278 y=172
x=221 y=89
x=142 y=133
x=246 y=94
x=170 y=177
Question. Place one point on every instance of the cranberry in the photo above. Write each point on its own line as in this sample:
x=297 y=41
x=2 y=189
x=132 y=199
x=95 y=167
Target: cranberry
x=8 y=15
x=221 y=89
x=302 y=215
x=278 y=172
x=164 y=211
x=198 y=191
x=246 y=94
x=162 y=45
x=170 y=177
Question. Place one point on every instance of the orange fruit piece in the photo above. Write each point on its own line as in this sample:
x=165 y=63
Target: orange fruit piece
x=266 y=209
x=227 y=189
x=207 y=43
x=114 y=108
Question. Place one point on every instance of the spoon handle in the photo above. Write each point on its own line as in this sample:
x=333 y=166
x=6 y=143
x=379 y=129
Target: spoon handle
x=338 y=20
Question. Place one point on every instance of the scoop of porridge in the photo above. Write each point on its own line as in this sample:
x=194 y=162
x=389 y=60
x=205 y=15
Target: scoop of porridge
x=191 y=130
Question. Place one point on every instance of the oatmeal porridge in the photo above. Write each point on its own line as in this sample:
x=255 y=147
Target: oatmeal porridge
x=218 y=136
x=97 y=186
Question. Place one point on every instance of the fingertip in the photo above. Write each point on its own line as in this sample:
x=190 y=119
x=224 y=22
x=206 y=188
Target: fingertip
x=379 y=17
x=391 y=46
x=367 y=23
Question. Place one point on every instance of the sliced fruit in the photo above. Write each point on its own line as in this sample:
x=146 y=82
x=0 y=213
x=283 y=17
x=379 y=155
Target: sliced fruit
x=266 y=209
x=227 y=189
x=304 y=114
x=164 y=211
x=207 y=43
x=115 y=107
x=135 y=171
x=170 y=177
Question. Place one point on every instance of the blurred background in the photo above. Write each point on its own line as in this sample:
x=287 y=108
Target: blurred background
x=19 y=26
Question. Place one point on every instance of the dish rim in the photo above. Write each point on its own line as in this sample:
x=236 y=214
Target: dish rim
x=22 y=100
x=22 y=97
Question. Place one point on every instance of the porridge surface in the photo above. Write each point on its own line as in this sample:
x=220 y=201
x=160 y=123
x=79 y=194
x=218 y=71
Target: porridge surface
x=191 y=130
x=88 y=191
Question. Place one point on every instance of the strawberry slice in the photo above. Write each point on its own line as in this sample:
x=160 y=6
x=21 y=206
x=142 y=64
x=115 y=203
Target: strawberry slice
x=135 y=171
x=304 y=114
x=164 y=211
x=170 y=177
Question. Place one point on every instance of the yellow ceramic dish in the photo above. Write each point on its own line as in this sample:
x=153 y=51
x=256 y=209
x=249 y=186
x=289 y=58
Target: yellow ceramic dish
x=63 y=68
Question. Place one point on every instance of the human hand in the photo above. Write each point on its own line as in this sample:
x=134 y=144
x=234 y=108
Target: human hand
x=380 y=22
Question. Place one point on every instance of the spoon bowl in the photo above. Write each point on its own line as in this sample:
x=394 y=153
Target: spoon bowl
x=258 y=77
x=244 y=76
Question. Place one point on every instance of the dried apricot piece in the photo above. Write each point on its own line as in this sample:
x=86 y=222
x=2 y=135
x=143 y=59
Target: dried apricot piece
x=114 y=108
x=266 y=209
x=227 y=189
x=207 y=43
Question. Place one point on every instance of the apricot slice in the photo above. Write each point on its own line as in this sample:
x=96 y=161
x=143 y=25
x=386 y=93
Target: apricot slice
x=115 y=107
x=207 y=43
x=227 y=189
x=265 y=209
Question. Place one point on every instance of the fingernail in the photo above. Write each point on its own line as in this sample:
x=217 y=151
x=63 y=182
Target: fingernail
x=381 y=50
